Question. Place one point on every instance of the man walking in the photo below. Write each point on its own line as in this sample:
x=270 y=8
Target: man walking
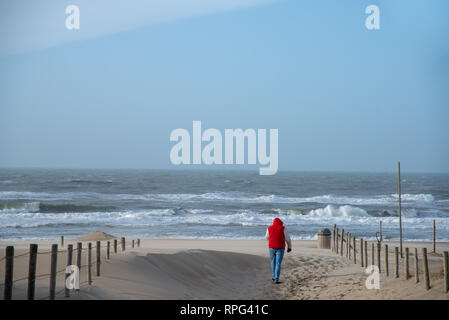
x=277 y=235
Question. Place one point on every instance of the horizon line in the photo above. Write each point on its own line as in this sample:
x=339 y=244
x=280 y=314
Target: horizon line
x=197 y=169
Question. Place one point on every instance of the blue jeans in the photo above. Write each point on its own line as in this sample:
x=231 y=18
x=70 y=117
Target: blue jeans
x=276 y=256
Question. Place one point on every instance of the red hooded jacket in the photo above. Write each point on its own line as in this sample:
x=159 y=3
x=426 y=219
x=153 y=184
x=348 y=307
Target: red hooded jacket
x=277 y=238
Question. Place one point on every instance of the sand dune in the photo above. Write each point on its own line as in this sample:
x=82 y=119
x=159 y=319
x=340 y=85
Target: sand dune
x=225 y=269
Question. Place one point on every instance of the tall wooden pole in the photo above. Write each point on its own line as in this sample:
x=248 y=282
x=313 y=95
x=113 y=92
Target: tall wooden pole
x=380 y=232
x=400 y=210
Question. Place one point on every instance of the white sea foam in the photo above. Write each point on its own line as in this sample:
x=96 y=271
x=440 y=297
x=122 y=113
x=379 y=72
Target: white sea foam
x=221 y=196
x=415 y=197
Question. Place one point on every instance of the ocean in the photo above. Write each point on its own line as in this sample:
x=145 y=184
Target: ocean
x=47 y=203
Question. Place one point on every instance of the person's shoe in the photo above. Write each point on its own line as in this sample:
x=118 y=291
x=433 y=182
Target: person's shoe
x=277 y=282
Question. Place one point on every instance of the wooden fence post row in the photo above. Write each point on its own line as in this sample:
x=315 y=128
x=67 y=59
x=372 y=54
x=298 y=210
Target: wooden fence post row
x=351 y=248
x=32 y=265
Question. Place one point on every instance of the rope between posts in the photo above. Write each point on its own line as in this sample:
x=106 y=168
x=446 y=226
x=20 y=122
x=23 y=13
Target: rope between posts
x=44 y=275
x=94 y=260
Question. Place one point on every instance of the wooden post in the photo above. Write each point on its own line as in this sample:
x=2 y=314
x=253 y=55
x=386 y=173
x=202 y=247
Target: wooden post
x=406 y=264
x=79 y=249
x=378 y=257
x=387 y=271
x=434 y=242
x=426 y=269
x=400 y=209
x=115 y=245
x=69 y=263
x=62 y=241
x=348 y=243
x=416 y=266
x=138 y=243
x=350 y=246
x=372 y=254
x=336 y=240
x=89 y=263
x=108 y=248
x=366 y=254
x=333 y=239
x=9 y=270
x=446 y=271
x=53 y=266
x=341 y=244
x=98 y=257
x=123 y=243
x=380 y=232
x=396 y=262
x=32 y=272
x=361 y=252
x=355 y=249
x=132 y=243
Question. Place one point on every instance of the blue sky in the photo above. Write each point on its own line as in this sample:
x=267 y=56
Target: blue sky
x=343 y=97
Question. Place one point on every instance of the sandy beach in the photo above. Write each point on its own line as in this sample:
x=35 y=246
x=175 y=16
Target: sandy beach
x=223 y=269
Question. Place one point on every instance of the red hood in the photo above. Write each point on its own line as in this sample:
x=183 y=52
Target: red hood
x=277 y=221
